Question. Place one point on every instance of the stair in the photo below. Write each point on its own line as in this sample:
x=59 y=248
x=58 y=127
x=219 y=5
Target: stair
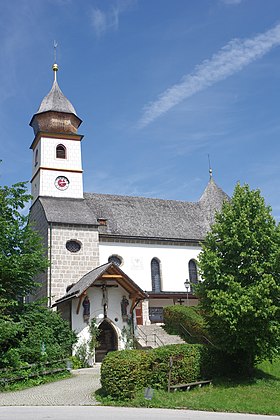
x=152 y=336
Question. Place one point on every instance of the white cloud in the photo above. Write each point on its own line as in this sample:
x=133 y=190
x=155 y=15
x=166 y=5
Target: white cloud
x=104 y=21
x=232 y=58
x=231 y=1
x=99 y=21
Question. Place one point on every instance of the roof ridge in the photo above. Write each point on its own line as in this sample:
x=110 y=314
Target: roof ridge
x=138 y=197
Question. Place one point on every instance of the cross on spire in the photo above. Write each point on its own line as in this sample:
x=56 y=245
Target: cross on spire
x=55 y=66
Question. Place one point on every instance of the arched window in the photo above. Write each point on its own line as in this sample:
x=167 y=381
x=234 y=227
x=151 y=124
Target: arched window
x=61 y=151
x=36 y=157
x=116 y=259
x=155 y=273
x=193 y=277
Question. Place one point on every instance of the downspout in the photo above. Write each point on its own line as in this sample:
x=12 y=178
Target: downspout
x=50 y=270
x=132 y=317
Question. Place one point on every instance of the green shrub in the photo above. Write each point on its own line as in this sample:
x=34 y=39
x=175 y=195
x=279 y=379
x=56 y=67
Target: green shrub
x=82 y=354
x=187 y=322
x=186 y=359
x=35 y=335
x=125 y=372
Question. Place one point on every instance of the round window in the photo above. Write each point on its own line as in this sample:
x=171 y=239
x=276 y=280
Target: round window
x=73 y=246
x=115 y=259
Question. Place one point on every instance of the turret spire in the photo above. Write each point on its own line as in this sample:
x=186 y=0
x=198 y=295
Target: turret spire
x=55 y=66
x=210 y=169
x=55 y=70
x=56 y=113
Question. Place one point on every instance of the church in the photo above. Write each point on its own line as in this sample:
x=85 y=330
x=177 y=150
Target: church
x=117 y=259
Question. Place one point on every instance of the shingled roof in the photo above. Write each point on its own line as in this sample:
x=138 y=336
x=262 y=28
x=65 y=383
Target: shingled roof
x=140 y=217
x=55 y=100
x=95 y=277
x=67 y=211
x=157 y=218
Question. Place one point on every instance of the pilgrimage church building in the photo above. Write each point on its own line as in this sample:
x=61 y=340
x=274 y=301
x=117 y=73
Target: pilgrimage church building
x=118 y=259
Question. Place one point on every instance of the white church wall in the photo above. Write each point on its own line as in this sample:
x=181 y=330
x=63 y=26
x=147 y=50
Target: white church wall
x=48 y=188
x=50 y=167
x=115 y=295
x=137 y=258
x=73 y=158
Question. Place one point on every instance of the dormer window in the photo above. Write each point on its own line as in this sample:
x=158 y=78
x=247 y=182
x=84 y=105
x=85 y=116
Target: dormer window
x=61 y=151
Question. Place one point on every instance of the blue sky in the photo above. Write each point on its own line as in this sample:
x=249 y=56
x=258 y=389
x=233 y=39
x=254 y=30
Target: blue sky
x=159 y=84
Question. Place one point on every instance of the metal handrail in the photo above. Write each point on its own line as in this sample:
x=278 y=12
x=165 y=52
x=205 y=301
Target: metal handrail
x=203 y=336
x=145 y=336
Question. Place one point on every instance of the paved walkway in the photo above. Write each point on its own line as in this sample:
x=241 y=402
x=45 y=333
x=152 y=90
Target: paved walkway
x=77 y=390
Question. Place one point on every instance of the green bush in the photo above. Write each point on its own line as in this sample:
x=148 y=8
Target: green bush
x=125 y=372
x=187 y=322
x=186 y=367
x=35 y=335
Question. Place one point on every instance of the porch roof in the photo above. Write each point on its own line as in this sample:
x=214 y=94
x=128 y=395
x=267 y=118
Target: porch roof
x=108 y=274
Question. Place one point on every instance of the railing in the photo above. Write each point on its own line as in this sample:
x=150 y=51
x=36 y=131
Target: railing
x=155 y=338
x=195 y=337
x=8 y=375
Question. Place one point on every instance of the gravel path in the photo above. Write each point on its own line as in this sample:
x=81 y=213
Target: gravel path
x=77 y=390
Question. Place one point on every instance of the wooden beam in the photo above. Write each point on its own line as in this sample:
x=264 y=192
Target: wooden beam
x=79 y=303
x=112 y=276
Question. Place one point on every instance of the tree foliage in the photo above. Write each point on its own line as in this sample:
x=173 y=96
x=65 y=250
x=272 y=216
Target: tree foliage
x=29 y=333
x=240 y=266
x=21 y=252
x=35 y=334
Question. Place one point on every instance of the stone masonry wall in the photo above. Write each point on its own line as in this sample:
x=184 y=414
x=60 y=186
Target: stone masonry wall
x=68 y=267
x=38 y=219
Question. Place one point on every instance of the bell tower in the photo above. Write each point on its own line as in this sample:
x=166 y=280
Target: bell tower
x=57 y=161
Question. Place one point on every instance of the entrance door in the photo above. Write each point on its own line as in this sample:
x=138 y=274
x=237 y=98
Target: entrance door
x=107 y=340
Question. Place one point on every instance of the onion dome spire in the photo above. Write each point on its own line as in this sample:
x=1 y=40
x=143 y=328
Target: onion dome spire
x=55 y=100
x=55 y=113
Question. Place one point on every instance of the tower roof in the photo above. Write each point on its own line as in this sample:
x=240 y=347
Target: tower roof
x=55 y=100
x=212 y=200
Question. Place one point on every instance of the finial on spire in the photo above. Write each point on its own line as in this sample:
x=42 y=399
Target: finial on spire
x=55 y=66
x=210 y=169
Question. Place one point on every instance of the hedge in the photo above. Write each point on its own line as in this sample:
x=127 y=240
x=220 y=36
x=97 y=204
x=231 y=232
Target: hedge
x=187 y=322
x=125 y=372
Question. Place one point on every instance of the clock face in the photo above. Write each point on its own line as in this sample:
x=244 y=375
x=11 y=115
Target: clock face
x=61 y=183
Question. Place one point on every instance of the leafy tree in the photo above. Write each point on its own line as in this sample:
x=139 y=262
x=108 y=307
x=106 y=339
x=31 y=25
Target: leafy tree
x=28 y=332
x=36 y=334
x=240 y=265
x=21 y=252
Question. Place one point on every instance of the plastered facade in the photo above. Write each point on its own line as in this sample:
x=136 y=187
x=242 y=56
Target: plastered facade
x=47 y=167
x=137 y=259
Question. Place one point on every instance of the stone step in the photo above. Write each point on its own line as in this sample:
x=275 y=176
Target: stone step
x=152 y=336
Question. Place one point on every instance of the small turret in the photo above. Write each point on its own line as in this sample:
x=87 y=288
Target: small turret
x=56 y=114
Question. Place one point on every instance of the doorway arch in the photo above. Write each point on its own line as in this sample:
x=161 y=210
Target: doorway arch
x=108 y=340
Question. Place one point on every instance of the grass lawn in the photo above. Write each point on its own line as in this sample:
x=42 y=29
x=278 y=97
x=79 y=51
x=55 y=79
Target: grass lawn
x=260 y=395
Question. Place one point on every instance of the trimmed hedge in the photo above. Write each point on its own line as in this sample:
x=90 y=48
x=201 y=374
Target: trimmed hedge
x=125 y=372
x=187 y=322
x=186 y=364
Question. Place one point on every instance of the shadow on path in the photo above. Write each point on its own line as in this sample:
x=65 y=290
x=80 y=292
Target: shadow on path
x=77 y=390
